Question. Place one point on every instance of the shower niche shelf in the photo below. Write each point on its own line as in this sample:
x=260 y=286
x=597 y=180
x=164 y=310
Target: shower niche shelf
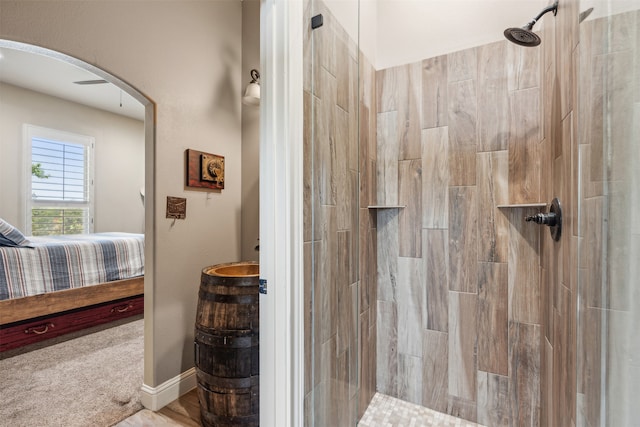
x=385 y=207
x=523 y=205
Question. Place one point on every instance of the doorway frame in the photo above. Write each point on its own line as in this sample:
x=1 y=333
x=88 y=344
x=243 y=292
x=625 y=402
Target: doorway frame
x=281 y=214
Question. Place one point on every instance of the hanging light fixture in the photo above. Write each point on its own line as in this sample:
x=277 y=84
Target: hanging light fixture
x=252 y=92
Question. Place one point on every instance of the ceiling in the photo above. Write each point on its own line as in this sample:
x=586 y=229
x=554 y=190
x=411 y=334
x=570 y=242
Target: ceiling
x=56 y=78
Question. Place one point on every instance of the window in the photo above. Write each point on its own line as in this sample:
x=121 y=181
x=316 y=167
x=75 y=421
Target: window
x=59 y=197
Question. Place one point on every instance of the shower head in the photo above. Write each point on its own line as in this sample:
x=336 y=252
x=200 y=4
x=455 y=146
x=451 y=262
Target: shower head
x=525 y=36
x=522 y=36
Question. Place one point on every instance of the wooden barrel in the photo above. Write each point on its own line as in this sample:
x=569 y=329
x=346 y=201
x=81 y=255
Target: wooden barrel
x=227 y=354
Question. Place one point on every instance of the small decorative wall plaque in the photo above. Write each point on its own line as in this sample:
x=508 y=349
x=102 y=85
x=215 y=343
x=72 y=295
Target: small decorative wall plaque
x=205 y=170
x=176 y=207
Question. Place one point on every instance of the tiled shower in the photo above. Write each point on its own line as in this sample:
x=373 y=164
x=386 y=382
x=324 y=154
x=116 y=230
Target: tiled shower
x=423 y=279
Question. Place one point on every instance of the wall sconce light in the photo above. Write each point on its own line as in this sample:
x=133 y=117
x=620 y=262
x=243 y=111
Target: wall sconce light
x=252 y=92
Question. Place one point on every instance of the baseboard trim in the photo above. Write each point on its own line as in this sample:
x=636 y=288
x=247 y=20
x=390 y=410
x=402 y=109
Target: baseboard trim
x=154 y=398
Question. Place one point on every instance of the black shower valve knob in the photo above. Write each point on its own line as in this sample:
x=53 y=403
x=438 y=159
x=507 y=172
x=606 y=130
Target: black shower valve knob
x=549 y=219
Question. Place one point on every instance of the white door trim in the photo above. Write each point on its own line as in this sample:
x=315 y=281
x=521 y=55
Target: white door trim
x=281 y=223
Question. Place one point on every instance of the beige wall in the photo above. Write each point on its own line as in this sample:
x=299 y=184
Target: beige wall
x=185 y=56
x=250 y=133
x=119 y=156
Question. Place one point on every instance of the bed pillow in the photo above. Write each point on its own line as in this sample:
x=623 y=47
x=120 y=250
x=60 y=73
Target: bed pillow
x=9 y=232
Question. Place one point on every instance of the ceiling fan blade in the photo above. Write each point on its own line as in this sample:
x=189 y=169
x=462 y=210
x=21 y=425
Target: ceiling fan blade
x=91 y=82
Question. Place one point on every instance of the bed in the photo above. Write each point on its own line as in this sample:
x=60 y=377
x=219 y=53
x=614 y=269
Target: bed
x=54 y=285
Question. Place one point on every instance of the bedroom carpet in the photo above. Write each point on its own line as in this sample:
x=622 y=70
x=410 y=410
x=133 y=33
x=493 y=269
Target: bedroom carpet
x=93 y=380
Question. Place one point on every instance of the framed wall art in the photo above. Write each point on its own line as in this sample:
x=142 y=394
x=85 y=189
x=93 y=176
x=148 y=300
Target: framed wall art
x=205 y=170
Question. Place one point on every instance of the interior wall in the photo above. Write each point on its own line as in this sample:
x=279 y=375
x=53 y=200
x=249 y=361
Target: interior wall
x=250 y=133
x=186 y=57
x=119 y=140
x=459 y=316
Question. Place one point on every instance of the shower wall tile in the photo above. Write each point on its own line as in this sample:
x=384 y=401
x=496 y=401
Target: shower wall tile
x=353 y=227
x=343 y=74
x=354 y=356
x=493 y=330
x=340 y=390
x=595 y=119
x=387 y=354
x=462 y=345
x=590 y=356
x=434 y=92
x=462 y=65
x=344 y=309
x=354 y=117
x=493 y=400
x=410 y=218
x=410 y=113
x=324 y=44
x=436 y=244
x=620 y=84
x=327 y=279
x=435 y=177
x=411 y=298
x=366 y=257
x=364 y=367
x=546 y=384
x=524 y=374
x=591 y=250
x=462 y=408
x=387 y=158
x=493 y=118
x=524 y=136
x=390 y=85
x=523 y=67
x=307 y=178
x=327 y=403
x=388 y=253
x=566 y=41
x=342 y=177
x=564 y=355
x=462 y=132
x=308 y=319
x=325 y=140
x=524 y=283
x=410 y=377
x=435 y=381
x=463 y=239
x=493 y=190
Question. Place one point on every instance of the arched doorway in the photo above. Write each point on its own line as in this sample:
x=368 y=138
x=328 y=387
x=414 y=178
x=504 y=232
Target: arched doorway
x=145 y=192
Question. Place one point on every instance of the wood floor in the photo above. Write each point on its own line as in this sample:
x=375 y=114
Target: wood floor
x=184 y=411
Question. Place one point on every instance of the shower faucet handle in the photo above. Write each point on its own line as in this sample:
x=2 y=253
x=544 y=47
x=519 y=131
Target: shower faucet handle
x=549 y=219
x=553 y=219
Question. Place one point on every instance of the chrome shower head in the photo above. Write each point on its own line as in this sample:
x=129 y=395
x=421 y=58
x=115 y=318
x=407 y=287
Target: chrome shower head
x=525 y=36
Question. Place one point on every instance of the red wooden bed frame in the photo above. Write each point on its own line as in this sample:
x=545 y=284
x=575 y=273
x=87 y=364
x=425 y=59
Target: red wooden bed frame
x=36 y=318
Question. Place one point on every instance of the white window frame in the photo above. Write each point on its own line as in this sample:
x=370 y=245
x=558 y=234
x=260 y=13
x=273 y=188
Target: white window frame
x=32 y=131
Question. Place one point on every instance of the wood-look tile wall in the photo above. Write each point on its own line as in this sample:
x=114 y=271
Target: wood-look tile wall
x=459 y=312
x=608 y=234
x=339 y=232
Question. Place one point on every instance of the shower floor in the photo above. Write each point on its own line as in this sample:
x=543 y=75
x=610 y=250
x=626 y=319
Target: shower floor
x=387 y=411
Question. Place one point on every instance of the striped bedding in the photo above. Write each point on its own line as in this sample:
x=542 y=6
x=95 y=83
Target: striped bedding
x=55 y=263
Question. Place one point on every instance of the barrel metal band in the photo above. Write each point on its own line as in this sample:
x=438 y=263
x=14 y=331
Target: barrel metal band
x=229 y=299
